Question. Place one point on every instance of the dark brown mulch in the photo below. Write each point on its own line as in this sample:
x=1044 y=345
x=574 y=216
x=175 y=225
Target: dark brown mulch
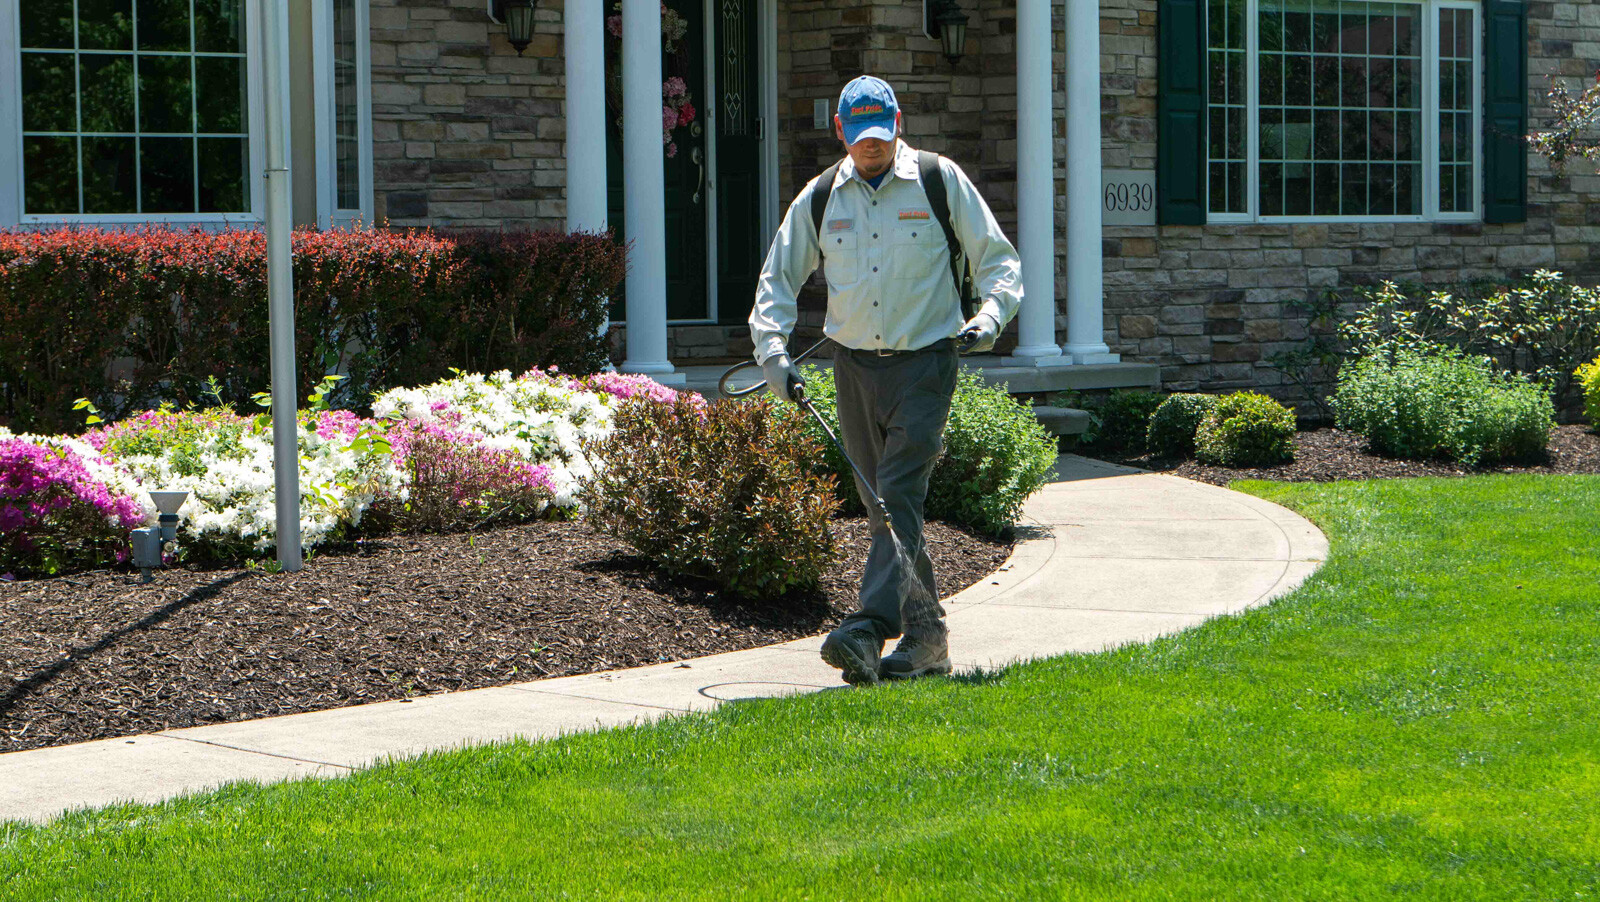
x=97 y=655
x=1327 y=455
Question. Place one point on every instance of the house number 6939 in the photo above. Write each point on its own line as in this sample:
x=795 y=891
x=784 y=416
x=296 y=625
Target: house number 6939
x=1128 y=197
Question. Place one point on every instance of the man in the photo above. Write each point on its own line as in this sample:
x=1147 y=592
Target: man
x=893 y=310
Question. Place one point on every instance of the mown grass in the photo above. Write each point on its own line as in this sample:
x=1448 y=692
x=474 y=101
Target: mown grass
x=1418 y=721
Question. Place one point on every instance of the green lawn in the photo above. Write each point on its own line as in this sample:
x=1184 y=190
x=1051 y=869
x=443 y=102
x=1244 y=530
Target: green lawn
x=1418 y=721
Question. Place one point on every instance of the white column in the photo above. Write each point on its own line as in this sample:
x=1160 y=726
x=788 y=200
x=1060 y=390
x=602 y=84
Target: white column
x=586 y=116
x=644 y=195
x=1086 y=341
x=586 y=119
x=1036 y=321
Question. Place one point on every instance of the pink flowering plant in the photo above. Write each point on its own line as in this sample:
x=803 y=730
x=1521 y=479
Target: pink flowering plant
x=55 y=514
x=454 y=482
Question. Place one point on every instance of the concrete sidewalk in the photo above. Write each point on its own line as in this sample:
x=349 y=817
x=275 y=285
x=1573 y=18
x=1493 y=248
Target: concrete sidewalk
x=1109 y=556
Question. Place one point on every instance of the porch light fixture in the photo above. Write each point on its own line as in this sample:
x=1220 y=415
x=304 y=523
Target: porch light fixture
x=517 y=16
x=943 y=19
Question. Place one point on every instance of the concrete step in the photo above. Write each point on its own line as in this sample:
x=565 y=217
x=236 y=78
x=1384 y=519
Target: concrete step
x=1062 y=420
x=1017 y=379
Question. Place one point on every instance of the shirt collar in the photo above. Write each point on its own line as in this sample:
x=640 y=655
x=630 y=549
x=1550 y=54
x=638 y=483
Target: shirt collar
x=905 y=165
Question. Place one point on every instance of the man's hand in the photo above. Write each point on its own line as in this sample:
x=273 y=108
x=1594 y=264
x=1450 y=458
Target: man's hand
x=979 y=334
x=780 y=373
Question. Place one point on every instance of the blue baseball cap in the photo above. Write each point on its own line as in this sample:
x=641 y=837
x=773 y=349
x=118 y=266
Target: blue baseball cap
x=867 y=109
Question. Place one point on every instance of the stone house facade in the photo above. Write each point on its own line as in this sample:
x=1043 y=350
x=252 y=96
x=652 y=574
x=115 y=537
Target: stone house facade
x=422 y=114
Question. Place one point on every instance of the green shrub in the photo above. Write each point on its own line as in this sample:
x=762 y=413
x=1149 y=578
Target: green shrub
x=725 y=491
x=1588 y=376
x=1246 y=429
x=1122 y=420
x=1444 y=404
x=996 y=454
x=1174 y=424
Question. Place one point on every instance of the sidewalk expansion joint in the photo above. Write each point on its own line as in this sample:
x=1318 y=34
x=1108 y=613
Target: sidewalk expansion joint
x=236 y=748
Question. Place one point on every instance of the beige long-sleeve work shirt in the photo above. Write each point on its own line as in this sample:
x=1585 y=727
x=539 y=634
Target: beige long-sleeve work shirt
x=886 y=262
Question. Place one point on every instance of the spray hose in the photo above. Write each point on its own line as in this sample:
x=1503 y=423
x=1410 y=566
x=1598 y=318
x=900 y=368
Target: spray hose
x=964 y=342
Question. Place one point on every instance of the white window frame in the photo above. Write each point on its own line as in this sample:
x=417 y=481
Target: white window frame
x=1430 y=125
x=329 y=215
x=11 y=214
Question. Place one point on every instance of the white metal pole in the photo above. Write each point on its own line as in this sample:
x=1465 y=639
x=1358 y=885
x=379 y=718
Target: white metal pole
x=280 y=286
x=644 y=198
x=1086 y=341
x=1036 y=185
x=586 y=119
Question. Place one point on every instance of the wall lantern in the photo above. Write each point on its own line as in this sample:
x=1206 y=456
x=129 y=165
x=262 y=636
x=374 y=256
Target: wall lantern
x=517 y=16
x=944 y=20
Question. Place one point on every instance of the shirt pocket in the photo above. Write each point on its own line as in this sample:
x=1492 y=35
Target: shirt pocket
x=839 y=263
x=917 y=249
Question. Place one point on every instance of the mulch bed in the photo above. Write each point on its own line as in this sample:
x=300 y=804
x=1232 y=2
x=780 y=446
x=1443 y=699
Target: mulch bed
x=1327 y=455
x=96 y=655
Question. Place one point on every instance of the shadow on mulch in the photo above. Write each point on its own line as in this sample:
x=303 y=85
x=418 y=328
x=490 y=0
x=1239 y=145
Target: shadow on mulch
x=97 y=655
x=1329 y=455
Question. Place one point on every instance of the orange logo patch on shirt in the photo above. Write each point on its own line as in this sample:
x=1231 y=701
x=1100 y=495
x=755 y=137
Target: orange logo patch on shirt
x=913 y=214
x=841 y=225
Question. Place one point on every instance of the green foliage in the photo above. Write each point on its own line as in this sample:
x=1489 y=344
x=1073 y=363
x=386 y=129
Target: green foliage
x=1174 y=424
x=1443 y=404
x=1588 y=376
x=996 y=454
x=1122 y=420
x=725 y=491
x=1246 y=429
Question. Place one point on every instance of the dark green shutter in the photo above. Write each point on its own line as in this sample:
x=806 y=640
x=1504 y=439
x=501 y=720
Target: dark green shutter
x=1505 y=112
x=1181 y=112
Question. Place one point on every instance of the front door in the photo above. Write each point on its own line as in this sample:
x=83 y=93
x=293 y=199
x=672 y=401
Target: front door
x=684 y=147
x=739 y=127
x=712 y=156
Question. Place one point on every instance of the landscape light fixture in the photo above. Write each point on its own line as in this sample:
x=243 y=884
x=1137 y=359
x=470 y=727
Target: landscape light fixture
x=149 y=541
x=517 y=16
x=944 y=20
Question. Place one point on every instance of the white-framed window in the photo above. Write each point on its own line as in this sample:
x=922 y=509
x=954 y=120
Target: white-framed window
x=343 y=78
x=129 y=111
x=1344 y=110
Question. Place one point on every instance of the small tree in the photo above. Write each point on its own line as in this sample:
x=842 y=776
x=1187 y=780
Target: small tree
x=1575 y=128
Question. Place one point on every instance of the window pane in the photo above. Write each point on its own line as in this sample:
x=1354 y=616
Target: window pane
x=1270 y=72
x=1353 y=190
x=349 y=174
x=219 y=26
x=1217 y=134
x=1297 y=31
x=1463 y=33
x=1355 y=82
x=220 y=81
x=49 y=175
x=1464 y=133
x=1380 y=88
x=105 y=24
x=1236 y=78
x=1236 y=133
x=1297 y=80
x=1381 y=189
x=1447 y=188
x=224 y=175
x=1271 y=30
x=1327 y=135
x=106 y=83
x=166 y=171
x=1271 y=189
x=1325 y=77
x=1271 y=142
x=1463 y=189
x=1354 y=131
x=1297 y=135
x=1217 y=185
x=1352 y=29
x=1236 y=190
x=1325 y=27
x=163 y=24
x=48 y=94
x=1408 y=189
x=166 y=97
x=109 y=184
x=1325 y=189
x=1381 y=135
x=1407 y=90
x=1297 y=189
x=47 y=23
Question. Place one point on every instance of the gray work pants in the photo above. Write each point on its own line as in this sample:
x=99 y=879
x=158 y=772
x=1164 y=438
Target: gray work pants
x=892 y=411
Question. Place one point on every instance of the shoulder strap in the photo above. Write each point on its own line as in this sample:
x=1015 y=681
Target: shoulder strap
x=938 y=198
x=819 y=197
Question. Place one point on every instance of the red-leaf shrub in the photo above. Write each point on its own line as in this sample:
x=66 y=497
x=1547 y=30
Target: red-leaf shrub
x=171 y=308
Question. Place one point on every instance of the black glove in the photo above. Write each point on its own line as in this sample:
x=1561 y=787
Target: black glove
x=780 y=373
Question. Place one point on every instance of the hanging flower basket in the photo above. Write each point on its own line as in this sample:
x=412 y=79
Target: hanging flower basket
x=677 y=106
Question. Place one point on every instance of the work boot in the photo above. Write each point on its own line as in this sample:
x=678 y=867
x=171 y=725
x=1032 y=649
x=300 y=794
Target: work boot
x=920 y=652
x=854 y=650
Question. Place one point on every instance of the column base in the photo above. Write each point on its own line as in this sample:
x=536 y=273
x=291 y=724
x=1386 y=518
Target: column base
x=663 y=373
x=1037 y=356
x=1087 y=354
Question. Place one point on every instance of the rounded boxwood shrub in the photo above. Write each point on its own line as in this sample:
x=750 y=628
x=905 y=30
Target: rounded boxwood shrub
x=1122 y=420
x=1442 y=405
x=1589 y=378
x=1246 y=429
x=725 y=491
x=1173 y=425
x=996 y=454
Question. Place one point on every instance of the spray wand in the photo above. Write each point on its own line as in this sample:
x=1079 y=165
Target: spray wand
x=797 y=391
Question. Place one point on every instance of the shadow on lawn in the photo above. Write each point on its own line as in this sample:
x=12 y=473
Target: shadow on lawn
x=80 y=654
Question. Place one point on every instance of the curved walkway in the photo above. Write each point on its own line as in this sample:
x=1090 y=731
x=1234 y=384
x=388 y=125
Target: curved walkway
x=1110 y=556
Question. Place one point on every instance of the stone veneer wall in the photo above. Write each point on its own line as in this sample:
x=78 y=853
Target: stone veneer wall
x=464 y=131
x=1208 y=303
